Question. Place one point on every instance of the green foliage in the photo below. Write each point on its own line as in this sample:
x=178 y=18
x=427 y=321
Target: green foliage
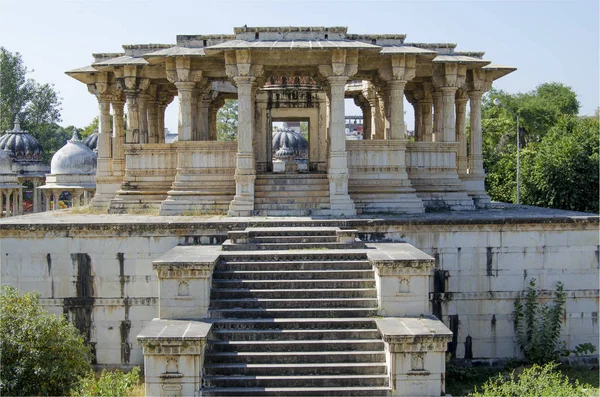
x=41 y=353
x=90 y=128
x=227 y=121
x=537 y=326
x=110 y=383
x=583 y=349
x=559 y=158
x=37 y=105
x=562 y=170
x=535 y=381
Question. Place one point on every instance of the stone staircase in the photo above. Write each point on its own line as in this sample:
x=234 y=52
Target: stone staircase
x=293 y=314
x=284 y=195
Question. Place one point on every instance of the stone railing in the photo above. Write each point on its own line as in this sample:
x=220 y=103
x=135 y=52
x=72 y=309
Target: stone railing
x=205 y=178
x=431 y=168
x=378 y=181
x=149 y=171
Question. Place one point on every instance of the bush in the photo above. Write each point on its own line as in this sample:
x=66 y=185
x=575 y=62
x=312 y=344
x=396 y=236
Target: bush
x=110 y=383
x=536 y=381
x=41 y=353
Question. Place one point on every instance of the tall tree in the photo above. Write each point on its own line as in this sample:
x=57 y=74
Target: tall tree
x=36 y=105
x=549 y=130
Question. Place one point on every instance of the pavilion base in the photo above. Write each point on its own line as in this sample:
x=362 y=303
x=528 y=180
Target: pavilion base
x=475 y=188
x=105 y=192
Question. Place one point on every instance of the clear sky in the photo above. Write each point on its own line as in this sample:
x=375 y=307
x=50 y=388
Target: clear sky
x=546 y=40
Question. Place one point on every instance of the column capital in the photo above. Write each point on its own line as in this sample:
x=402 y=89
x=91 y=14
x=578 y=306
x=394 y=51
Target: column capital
x=337 y=80
x=185 y=85
x=475 y=95
x=248 y=80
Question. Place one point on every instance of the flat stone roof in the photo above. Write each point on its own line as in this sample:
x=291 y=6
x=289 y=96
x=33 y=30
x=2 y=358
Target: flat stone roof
x=500 y=214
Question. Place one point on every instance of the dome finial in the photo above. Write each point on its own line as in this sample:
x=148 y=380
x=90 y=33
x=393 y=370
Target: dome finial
x=75 y=137
x=17 y=126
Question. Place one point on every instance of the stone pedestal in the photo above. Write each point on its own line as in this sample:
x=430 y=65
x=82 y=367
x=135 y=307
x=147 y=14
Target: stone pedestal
x=173 y=356
x=416 y=354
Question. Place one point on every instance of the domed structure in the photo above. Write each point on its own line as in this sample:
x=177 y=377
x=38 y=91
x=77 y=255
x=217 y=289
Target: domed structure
x=284 y=152
x=20 y=145
x=92 y=141
x=292 y=141
x=73 y=158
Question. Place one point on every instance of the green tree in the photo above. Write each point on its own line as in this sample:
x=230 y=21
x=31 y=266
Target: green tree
x=539 y=110
x=37 y=105
x=41 y=353
x=562 y=170
x=227 y=121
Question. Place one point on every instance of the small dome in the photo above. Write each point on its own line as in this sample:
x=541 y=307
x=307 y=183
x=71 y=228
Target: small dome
x=92 y=141
x=20 y=145
x=291 y=140
x=73 y=158
x=5 y=163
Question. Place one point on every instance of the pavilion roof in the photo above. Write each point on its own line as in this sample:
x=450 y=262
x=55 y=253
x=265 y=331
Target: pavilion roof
x=498 y=71
x=176 y=51
x=407 y=49
x=462 y=59
x=121 y=61
x=317 y=44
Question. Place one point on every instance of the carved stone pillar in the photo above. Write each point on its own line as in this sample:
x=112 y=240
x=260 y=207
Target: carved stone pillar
x=104 y=144
x=203 y=118
x=133 y=125
x=461 y=131
x=143 y=117
x=338 y=162
x=427 y=120
x=397 y=127
x=118 y=141
x=20 y=201
x=153 y=122
x=245 y=172
x=449 y=121
x=7 y=193
x=438 y=116
x=475 y=156
x=186 y=110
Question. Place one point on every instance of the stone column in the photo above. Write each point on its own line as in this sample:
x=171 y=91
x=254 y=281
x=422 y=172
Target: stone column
x=152 y=122
x=133 y=125
x=438 y=116
x=427 y=119
x=449 y=123
x=21 y=209
x=413 y=99
x=7 y=202
x=186 y=119
x=245 y=172
x=202 y=118
x=35 y=196
x=47 y=194
x=160 y=122
x=15 y=202
x=104 y=144
x=1 y=201
x=461 y=131
x=341 y=204
x=118 y=141
x=75 y=198
x=213 y=122
x=143 y=118
x=397 y=128
x=56 y=195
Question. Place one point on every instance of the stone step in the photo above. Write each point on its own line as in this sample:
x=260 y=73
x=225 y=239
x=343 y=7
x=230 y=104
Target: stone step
x=296 y=357
x=329 y=345
x=254 y=303
x=293 y=334
x=295 y=265
x=339 y=293
x=291 y=231
x=285 y=200
x=285 y=205
x=238 y=369
x=261 y=182
x=291 y=274
x=297 y=381
x=293 y=239
x=229 y=246
x=299 y=391
x=292 y=313
x=271 y=324
x=266 y=191
x=291 y=284
x=292 y=212
x=293 y=256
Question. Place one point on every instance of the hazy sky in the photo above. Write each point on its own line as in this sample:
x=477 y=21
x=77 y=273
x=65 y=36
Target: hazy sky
x=546 y=40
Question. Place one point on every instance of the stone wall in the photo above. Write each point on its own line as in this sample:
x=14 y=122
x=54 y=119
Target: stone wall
x=98 y=270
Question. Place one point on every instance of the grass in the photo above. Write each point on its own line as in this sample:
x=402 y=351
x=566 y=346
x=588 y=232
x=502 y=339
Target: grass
x=461 y=381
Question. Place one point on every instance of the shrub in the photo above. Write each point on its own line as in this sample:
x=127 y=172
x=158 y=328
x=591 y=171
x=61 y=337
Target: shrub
x=536 y=381
x=41 y=353
x=110 y=383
